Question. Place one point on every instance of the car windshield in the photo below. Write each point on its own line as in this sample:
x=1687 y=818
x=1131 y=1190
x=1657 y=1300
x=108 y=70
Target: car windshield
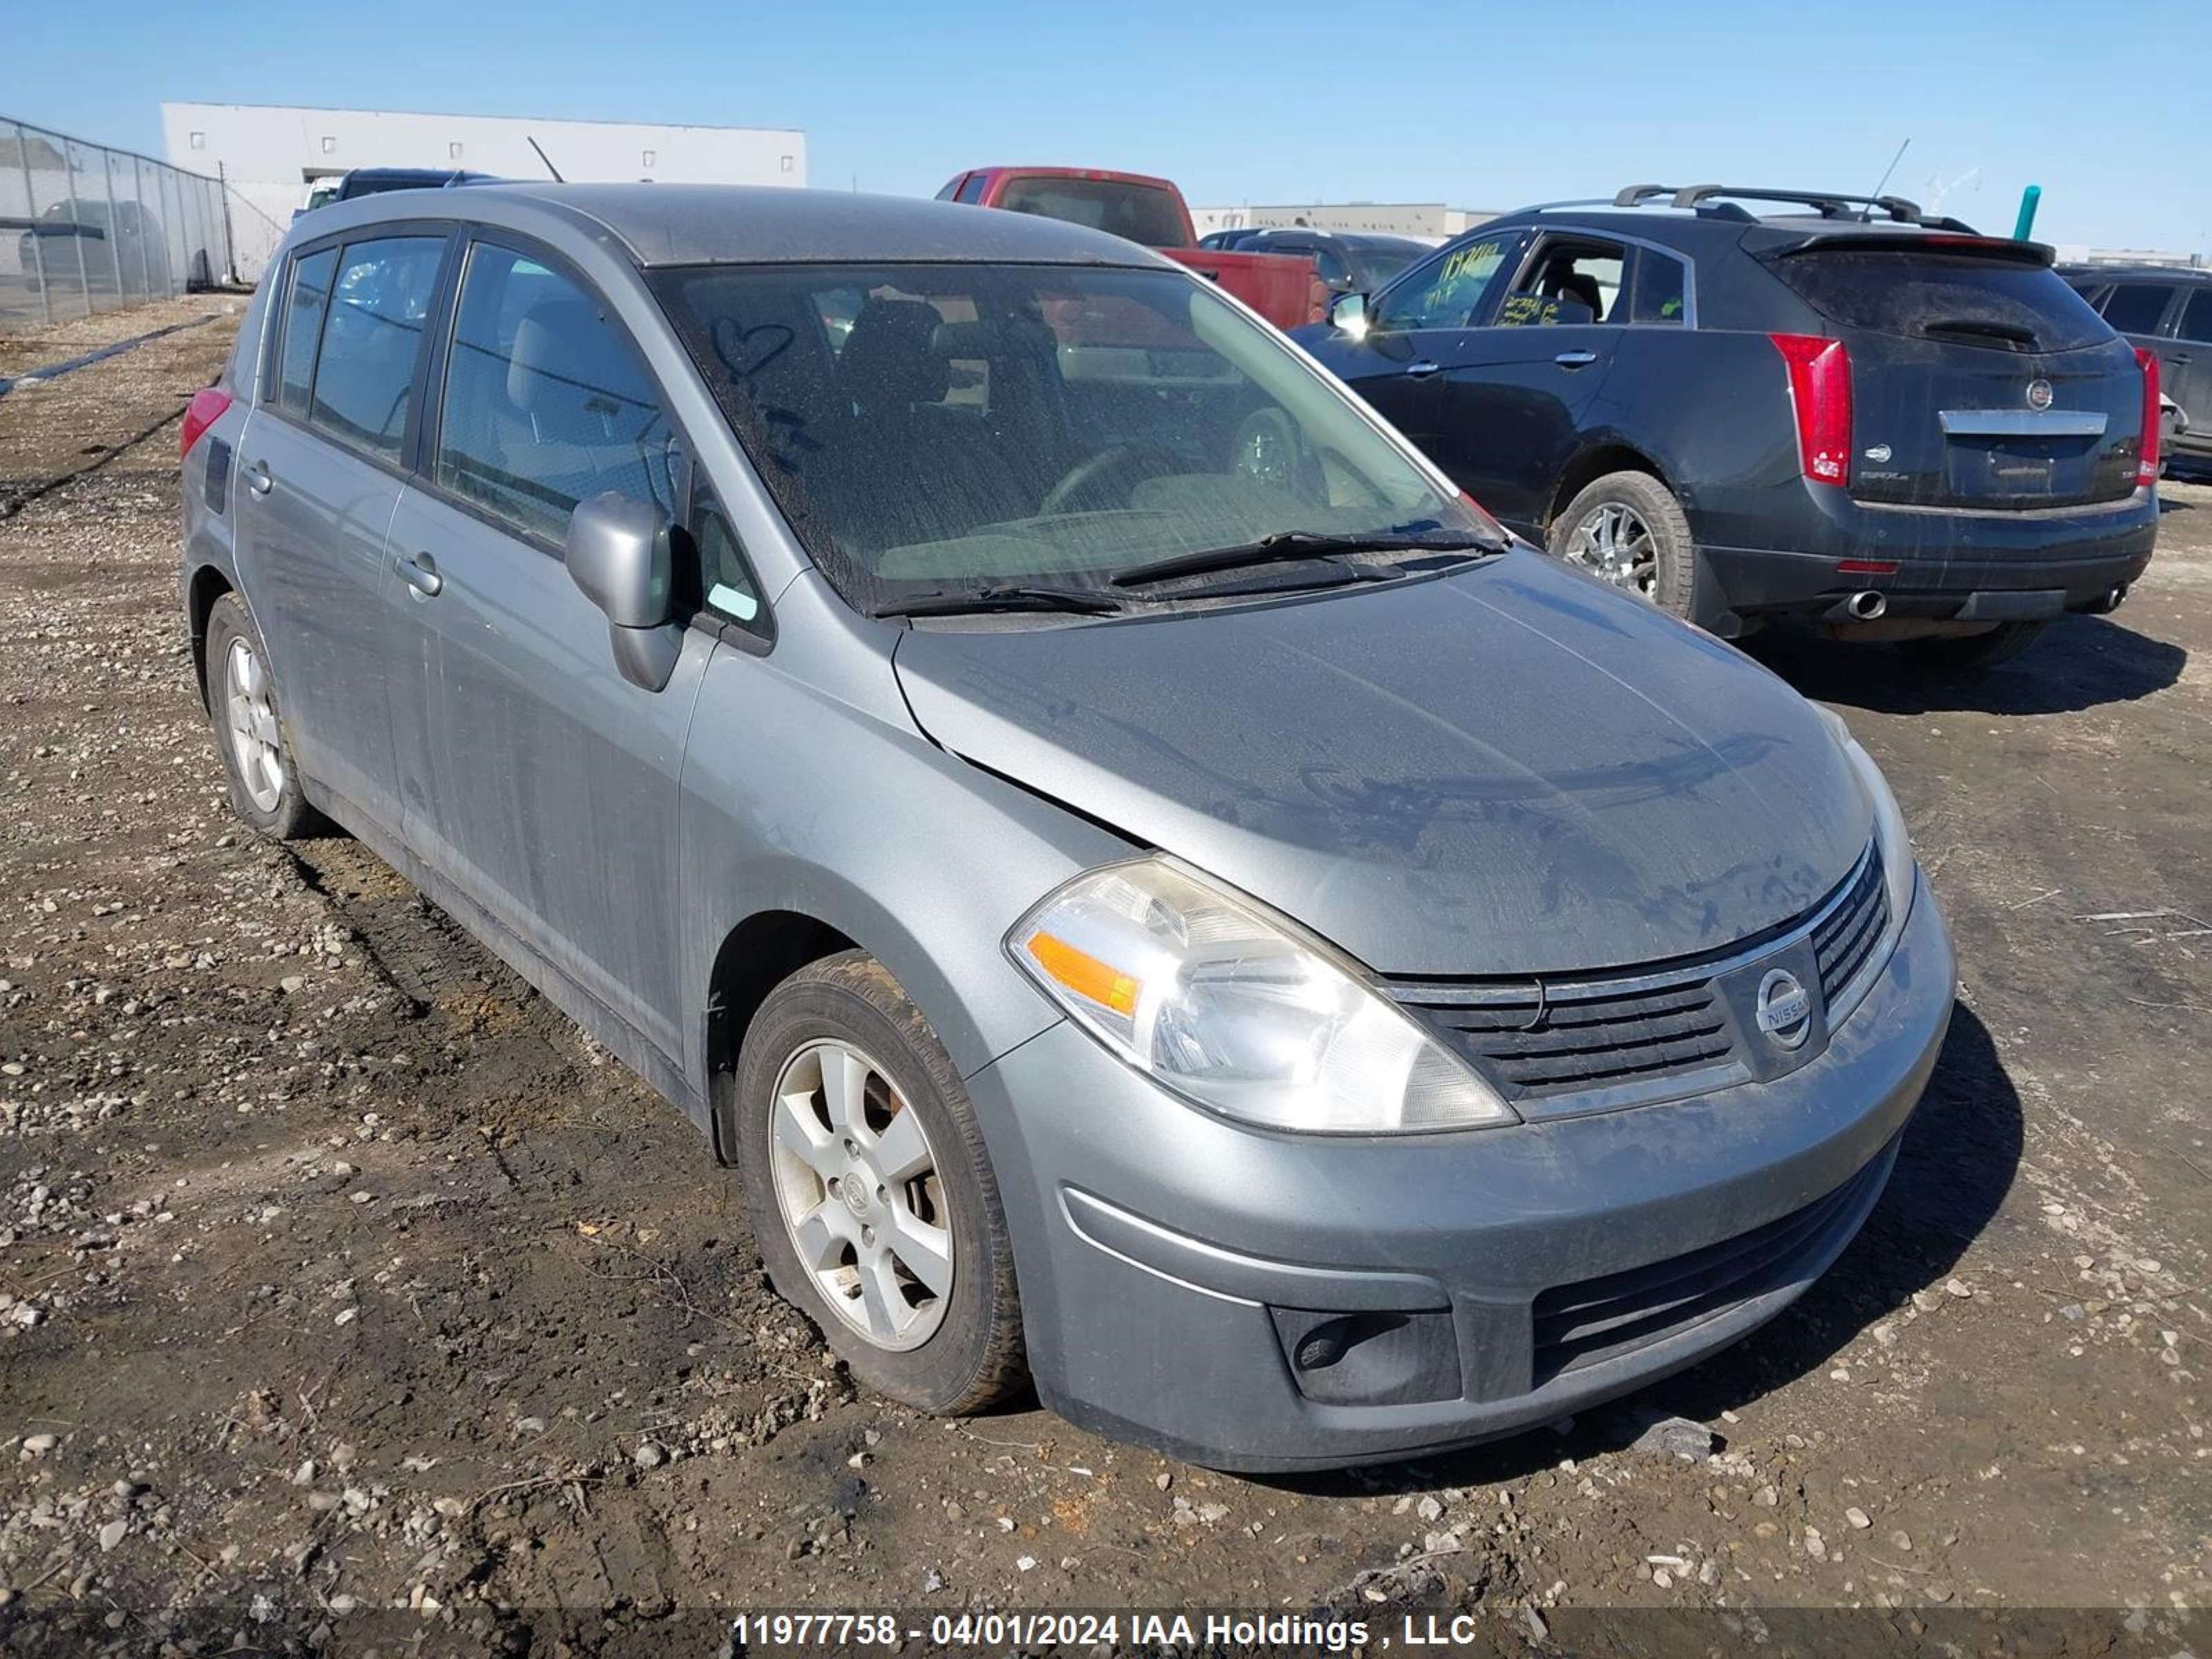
x=941 y=429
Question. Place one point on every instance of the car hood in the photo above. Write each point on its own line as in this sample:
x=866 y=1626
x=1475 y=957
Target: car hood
x=1511 y=770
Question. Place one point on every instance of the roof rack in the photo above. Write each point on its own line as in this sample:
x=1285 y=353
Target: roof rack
x=1722 y=199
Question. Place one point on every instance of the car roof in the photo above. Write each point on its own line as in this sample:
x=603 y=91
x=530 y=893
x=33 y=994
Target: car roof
x=758 y=224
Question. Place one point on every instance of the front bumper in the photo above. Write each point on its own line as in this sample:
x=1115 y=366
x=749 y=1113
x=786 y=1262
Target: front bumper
x=1180 y=1273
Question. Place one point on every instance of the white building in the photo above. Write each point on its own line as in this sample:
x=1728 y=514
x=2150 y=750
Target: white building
x=269 y=154
x=1432 y=220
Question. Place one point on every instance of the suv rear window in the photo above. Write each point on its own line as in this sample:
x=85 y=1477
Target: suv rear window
x=1963 y=299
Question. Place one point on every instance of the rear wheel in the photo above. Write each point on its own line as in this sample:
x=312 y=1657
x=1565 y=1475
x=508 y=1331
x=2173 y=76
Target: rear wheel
x=1966 y=651
x=1627 y=529
x=249 y=732
x=872 y=1200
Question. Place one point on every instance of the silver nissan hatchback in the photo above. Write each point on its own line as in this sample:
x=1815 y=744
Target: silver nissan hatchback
x=1152 y=889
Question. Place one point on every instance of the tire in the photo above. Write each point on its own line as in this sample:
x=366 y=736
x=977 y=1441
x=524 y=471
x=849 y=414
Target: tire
x=1632 y=503
x=249 y=730
x=838 y=1034
x=1954 y=652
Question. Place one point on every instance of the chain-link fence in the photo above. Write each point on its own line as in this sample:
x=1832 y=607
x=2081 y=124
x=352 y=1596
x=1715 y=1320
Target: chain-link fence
x=85 y=229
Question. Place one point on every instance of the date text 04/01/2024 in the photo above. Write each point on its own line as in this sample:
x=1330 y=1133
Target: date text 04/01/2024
x=789 y=1631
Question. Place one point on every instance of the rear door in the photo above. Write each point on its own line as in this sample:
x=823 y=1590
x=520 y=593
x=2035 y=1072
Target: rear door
x=1979 y=380
x=1414 y=327
x=319 y=472
x=1516 y=389
x=537 y=778
x=2186 y=362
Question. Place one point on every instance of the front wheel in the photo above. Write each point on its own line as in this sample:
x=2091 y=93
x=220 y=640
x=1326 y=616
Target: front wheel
x=1957 y=652
x=872 y=1197
x=1627 y=529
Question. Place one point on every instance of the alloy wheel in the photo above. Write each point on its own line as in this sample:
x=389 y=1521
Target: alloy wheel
x=249 y=711
x=1614 y=544
x=856 y=1184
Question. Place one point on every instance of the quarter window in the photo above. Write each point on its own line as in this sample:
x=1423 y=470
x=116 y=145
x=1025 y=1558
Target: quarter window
x=1659 y=290
x=304 y=307
x=1446 y=290
x=2136 y=308
x=2196 y=318
x=545 y=402
x=724 y=582
x=372 y=340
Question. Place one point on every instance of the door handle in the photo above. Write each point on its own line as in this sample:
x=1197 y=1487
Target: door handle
x=421 y=573
x=2179 y=359
x=1421 y=370
x=257 y=479
x=1574 y=359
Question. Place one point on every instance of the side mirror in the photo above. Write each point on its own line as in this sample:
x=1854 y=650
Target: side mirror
x=619 y=557
x=1347 y=314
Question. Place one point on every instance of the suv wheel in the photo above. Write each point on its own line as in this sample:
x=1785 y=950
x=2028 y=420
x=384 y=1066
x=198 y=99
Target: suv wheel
x=1965 y=651
x=871 y=1198
x=249 y=732
x=1627 y=529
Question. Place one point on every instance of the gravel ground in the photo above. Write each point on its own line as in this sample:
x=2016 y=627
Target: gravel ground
x=347 y=1290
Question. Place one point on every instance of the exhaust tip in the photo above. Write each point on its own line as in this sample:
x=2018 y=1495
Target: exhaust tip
x=1866 y=604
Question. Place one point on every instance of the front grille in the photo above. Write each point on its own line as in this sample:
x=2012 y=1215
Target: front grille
x=1600 y=1319
x=1577 y=1039
x=1625 y=1037
x=1847 y=935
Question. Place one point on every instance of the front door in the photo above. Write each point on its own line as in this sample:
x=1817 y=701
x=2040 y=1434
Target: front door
x=537 y=779
x=318 y=479
x=1515 y=391
x=1414 y=326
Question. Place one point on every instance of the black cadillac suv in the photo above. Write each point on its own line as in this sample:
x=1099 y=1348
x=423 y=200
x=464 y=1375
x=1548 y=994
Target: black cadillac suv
x=1745 y=403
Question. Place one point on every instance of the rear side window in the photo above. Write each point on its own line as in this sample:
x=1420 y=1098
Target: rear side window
x=971 y=188
x=2196 y=317
x=545 y=404
x=1959 y=297
x=2137 y=307
x=372 y=340
x=305 y=302
x=1571 y=280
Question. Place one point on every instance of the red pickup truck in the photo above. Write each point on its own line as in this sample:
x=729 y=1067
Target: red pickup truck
x=1282 y=288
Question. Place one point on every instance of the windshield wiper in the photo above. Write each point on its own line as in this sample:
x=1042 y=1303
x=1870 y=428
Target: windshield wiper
x=1075 y=600
x=1289 y=546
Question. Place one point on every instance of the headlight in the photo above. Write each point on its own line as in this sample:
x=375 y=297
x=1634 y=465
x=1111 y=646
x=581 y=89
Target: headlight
x=1239 y=1011
x=1890 y=837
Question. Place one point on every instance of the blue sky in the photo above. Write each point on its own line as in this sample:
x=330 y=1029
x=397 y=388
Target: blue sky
x=1479 y=105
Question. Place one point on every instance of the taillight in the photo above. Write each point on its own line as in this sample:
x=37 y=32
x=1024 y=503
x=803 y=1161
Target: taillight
x=2153 y=420
x=1820 y=394
x=205 y=409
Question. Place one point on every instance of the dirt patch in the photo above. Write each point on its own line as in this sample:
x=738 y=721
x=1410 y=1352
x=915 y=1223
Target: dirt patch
x=342 y=1279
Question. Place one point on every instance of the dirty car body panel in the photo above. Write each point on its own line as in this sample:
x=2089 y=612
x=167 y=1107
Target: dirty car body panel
x=1598 y=860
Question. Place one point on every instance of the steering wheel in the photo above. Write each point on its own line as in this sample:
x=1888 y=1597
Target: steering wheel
x=1267 y=449
x=1091 y=477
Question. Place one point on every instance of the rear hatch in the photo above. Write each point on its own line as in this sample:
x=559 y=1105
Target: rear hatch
x=1978 y=378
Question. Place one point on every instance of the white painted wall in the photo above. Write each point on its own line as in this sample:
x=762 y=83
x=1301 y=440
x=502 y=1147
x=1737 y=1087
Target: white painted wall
x=269 y=153
x=1377 y=218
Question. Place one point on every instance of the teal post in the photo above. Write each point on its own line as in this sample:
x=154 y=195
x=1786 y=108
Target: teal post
x=2030 y=199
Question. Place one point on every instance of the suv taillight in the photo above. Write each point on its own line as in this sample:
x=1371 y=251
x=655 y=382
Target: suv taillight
x=1821 y=395
x=2153 y=420
x=205 y=409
